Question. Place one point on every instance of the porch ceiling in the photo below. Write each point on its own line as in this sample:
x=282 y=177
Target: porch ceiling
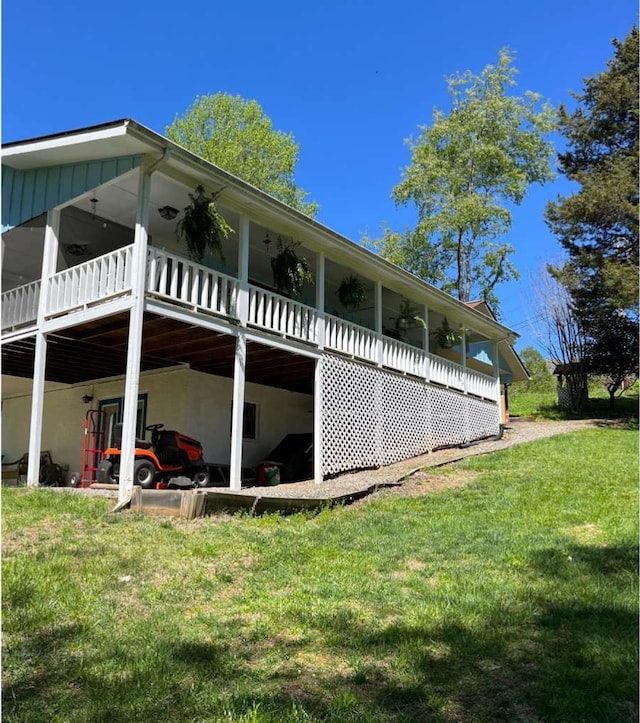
x=98 y=349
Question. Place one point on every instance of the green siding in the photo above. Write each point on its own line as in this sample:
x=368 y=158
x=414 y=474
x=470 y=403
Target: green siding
x=27 y=194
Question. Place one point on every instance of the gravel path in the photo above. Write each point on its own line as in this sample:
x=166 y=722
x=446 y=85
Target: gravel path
x=356 y=483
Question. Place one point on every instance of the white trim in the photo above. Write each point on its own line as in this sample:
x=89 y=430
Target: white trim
x=290 y=345
x=19 y=335
x=73 y=139
x=192 y=318
x=81 y=316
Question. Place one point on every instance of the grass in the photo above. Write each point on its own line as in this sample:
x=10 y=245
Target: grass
x=543 y=404
x=513 y=598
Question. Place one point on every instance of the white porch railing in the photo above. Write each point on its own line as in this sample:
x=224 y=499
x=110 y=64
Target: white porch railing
x=284 y=316
x=403 y=357
x=351 y=339
x=94 y=280
x=482 y=385
x=199 y=287
x=20 y=305
x=176 y=279
x=448 y=373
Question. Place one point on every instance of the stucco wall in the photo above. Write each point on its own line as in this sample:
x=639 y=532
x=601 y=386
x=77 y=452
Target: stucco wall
x=196 y=404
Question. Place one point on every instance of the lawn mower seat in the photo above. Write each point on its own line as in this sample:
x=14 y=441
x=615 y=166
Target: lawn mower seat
x=117 y=438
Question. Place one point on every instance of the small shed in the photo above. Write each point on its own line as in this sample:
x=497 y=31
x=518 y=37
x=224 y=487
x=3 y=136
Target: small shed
x=570 y=376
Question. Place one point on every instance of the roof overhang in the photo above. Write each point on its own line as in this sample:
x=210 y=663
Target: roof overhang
x=128 y=137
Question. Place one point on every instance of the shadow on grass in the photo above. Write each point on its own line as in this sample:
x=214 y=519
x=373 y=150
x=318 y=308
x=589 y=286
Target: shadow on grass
x=553 y=658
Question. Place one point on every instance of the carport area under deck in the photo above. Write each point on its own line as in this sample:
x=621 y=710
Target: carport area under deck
x=98 y=349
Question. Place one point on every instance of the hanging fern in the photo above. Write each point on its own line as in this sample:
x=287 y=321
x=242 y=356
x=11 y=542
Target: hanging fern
x=446 y=336
x=290 y=271
x=352 y=293
x=202 y=227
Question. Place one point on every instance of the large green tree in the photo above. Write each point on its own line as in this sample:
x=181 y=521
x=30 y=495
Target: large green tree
x=238 y=136
x=598 y=224
x=467 y=170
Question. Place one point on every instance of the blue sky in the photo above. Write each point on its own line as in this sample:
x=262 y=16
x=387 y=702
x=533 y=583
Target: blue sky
x=351 y=80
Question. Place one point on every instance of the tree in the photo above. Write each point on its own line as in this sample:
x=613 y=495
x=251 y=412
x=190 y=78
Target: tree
x=541 y=378
x=466 y=170
x=236 y=135
x=598 y=225
x=614 y=352
x=562 y=336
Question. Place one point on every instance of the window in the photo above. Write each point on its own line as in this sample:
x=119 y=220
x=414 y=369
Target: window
x=113 y=415
x=249 y=420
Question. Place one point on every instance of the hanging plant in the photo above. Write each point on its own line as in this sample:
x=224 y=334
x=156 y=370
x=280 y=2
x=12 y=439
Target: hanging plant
x=290 y=271
x=352 y=293
x=446 y=336
x=408 y=316
x=202 y=227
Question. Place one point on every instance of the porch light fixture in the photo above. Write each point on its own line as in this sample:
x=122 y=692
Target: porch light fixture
x=168 y=212
x=93 y=201
x=87 y=399
x=266 y=240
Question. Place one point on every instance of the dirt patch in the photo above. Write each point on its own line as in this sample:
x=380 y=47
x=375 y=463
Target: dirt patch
x=424 y=483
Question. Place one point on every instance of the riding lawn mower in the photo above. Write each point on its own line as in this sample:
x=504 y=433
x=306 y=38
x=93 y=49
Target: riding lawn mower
x=167 y=459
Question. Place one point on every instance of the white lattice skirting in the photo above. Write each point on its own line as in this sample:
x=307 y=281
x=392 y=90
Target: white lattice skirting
x=373 y=417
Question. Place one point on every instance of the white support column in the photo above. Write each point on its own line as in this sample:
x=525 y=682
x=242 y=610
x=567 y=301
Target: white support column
x=320 y=292
x=463 y=360
x=378 y=320
x=240 y=362
x=496 y=374
x=317 y=422
x=49 y=260
x=134 y=342
x=465 y=387
x=237 y=412
x=426 y=372
x=243 y=270
x=317 y=376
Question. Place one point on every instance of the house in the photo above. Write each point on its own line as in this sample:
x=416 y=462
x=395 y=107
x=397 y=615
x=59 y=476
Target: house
x=102 y=310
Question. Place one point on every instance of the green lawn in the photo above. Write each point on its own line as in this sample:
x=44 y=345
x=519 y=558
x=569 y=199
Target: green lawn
x=543 y=404
x=513 y=598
